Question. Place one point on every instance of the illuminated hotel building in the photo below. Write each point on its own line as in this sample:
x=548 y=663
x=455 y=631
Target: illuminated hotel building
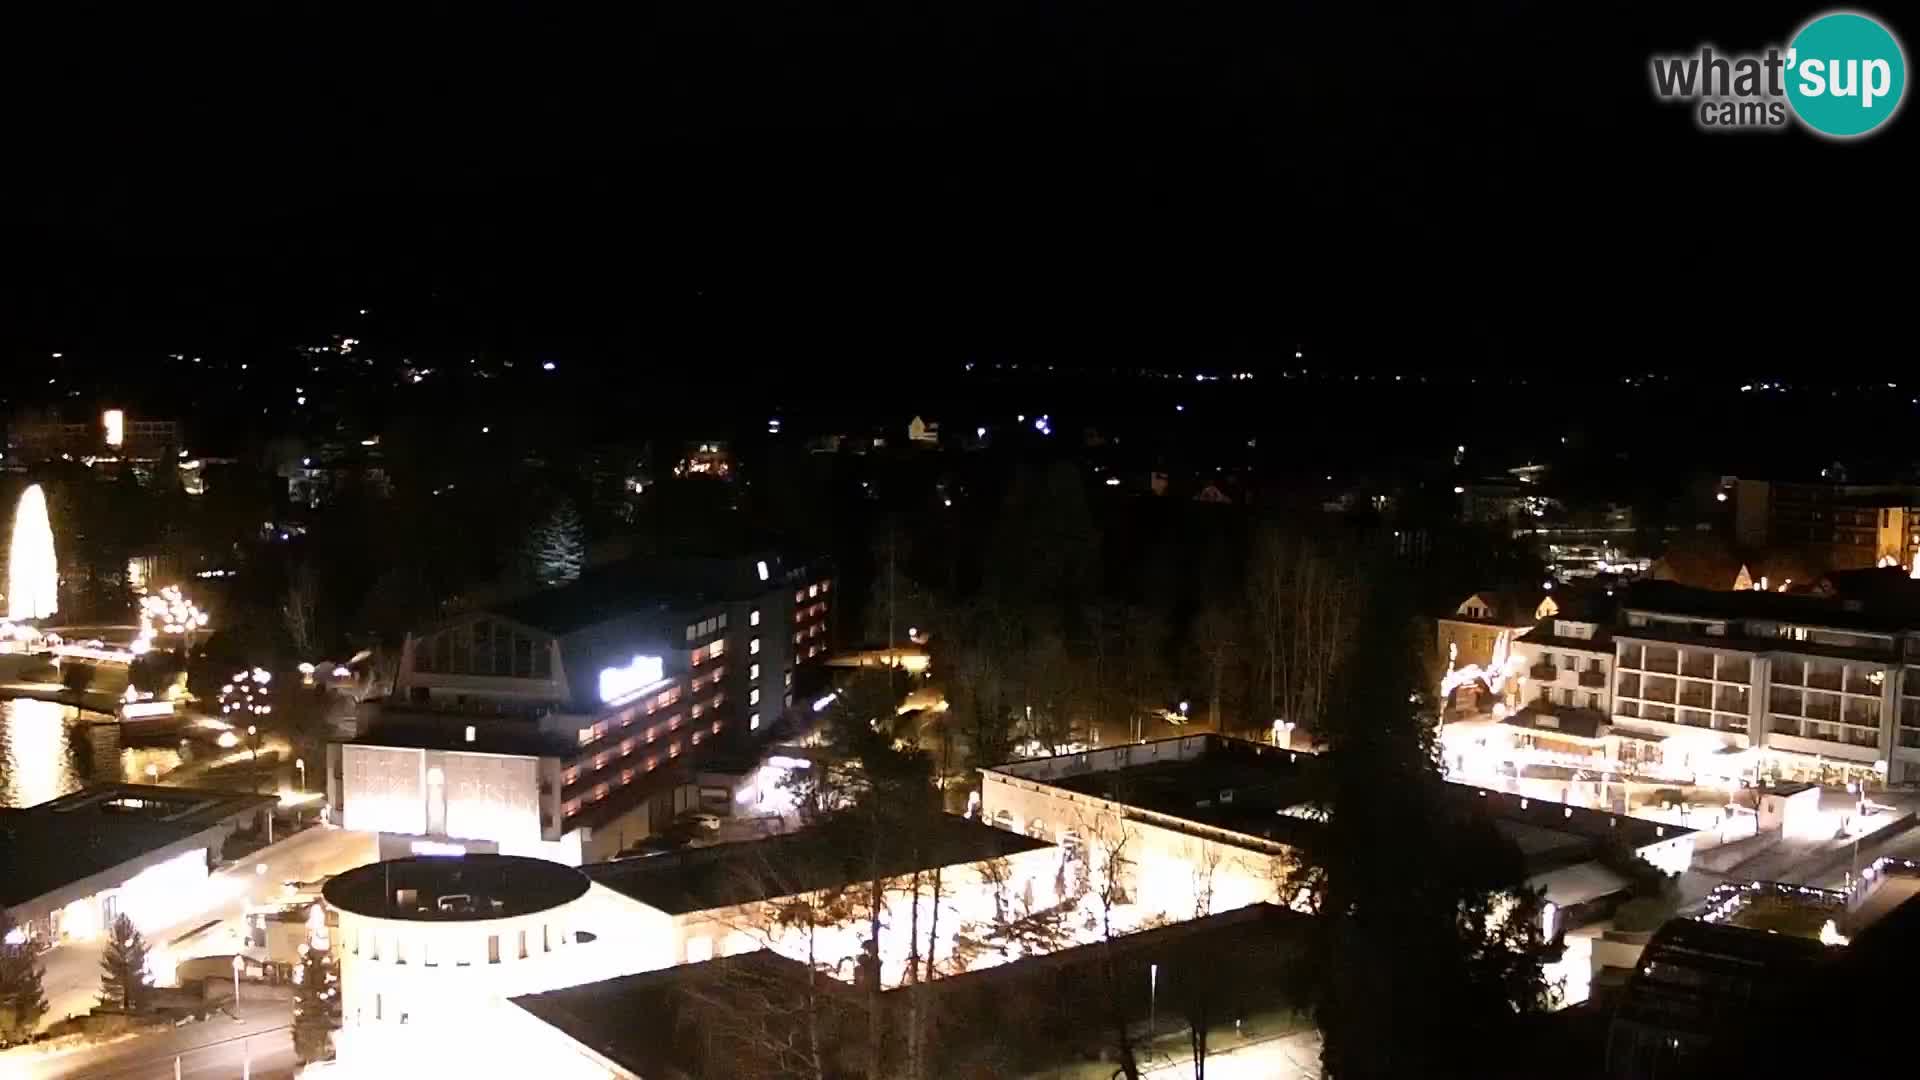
x=1722 y=684
x=591 y=704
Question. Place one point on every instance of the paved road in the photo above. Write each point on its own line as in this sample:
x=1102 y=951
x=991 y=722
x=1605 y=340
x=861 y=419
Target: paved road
x=218 y=1049
x=73 y=970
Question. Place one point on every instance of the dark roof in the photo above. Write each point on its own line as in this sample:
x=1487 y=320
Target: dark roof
x=57 y=843
x=1584 y=723
x=702 y=878
x=1584 y=603
x=1512 y=606
x=494 y=887
x=1888 y=590
x=601 y=1015
x=1013 y=1011
x=625 y=588
x=1672 y=598
x=447 y=731
x=1703 y=978
x=1246 y=787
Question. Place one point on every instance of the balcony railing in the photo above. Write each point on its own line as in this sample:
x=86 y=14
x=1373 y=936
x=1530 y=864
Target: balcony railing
x=1544 y=672
x=1594 y=679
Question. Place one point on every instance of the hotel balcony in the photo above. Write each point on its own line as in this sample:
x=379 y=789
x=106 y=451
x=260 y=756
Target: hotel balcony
x=1543 y=672
x=1594 y=679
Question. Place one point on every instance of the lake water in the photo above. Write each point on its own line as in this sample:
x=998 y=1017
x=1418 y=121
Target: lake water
x=44 y=752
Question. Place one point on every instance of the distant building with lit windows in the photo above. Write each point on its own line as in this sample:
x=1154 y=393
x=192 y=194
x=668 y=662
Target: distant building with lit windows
x=626 y=678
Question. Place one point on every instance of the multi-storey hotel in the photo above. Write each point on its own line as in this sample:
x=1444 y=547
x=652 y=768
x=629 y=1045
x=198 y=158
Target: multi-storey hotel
x=607 y=691
x=1797 y=686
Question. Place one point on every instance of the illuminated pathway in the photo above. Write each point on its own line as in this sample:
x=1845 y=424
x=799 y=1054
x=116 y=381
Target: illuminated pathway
x=1288 y=1057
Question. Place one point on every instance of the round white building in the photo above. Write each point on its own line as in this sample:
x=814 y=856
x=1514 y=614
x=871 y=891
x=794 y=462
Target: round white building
x=440 y=940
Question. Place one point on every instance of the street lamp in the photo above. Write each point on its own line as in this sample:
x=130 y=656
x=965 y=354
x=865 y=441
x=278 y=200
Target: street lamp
x=238 y=963
x=301 y=764
x=1153 y=997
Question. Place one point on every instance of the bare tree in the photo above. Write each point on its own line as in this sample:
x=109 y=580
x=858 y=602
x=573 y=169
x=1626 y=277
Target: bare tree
x=297 y=610
x=1304 y=603
x=1216 y=639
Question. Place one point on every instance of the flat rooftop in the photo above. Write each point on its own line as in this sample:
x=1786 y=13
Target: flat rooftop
x=424 y=730
x=1244 y=947
x=699 y=879
x=91 y=831
x=455 y=889
x=1263 y=791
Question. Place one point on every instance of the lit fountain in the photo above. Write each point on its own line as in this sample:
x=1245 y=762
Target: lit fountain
x=33 y=577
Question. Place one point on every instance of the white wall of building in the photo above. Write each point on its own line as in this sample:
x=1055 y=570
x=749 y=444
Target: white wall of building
x=448 y=793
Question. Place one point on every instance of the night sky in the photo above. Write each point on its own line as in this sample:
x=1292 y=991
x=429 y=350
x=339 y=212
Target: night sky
x=782 y=185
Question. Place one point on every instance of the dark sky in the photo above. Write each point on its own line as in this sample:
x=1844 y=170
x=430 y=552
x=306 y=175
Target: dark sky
x=797 y=183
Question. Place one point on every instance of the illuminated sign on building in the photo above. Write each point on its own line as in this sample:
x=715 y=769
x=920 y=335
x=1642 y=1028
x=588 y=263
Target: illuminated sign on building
x=620 y=682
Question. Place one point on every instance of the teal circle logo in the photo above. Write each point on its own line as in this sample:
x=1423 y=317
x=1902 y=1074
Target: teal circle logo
x=1845 y=74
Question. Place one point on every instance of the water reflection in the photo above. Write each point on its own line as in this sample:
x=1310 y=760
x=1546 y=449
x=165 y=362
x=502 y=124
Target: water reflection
x=43 y=754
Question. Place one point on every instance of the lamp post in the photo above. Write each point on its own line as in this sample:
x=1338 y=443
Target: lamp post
x=1153 y=998
x=238 y=963
x=301 y=764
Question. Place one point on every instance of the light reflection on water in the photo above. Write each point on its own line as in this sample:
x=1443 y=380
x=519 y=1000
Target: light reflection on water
x=43 y=755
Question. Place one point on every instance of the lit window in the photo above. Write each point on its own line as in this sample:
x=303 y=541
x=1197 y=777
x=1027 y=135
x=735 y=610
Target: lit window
x=753 y=671
x=753 y=722
x=723 y=621
x=761 y=567
x=697 y=736
x=753 y=647
x=753 y=617
x=753 y=696
x=813 y=590
x=718 y=648
x=697 y=710
x=692 y=631
x=673 y=750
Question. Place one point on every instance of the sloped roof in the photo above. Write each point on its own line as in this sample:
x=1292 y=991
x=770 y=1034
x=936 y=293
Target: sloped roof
x=1509 y=606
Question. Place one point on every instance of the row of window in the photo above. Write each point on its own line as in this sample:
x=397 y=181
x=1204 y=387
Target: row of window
x=1570 y=661
x=626 y=775
x=698 y=630
x=485 y=648
x=701 y=655
x=403 y=953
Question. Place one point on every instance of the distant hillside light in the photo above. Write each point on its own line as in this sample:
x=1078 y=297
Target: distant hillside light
x=33 y=579
x=115 y=421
